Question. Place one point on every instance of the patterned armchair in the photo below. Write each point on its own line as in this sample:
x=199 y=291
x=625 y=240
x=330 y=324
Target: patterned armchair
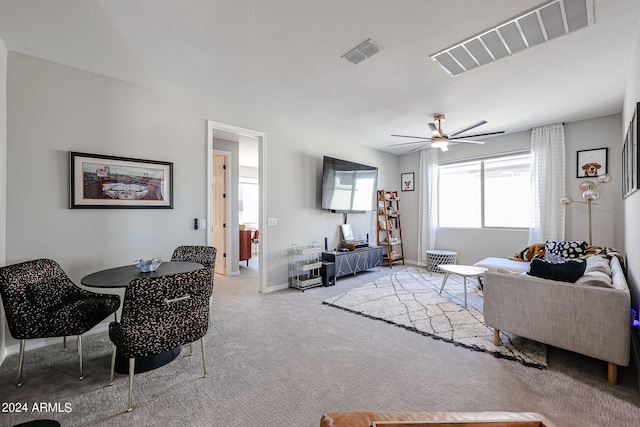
x=205 y=255
x=40 y=301
x=161 y=313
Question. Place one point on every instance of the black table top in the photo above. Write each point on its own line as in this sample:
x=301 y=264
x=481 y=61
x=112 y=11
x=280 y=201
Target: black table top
x=119 y=277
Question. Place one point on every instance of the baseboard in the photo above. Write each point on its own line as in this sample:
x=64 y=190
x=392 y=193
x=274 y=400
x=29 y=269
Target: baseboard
x=275 y=288
x=43 y=342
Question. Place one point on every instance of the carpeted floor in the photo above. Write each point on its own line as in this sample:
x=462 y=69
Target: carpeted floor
x=410 y=299
x=283 y=359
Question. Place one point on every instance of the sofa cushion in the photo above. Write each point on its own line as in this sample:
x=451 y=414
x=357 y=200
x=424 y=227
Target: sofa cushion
x=569 y=271
x=598 y=263
x=493 y=263
x=595 y=278
x=565 y=249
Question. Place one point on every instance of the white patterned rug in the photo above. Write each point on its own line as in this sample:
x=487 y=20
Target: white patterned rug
x=410 y=299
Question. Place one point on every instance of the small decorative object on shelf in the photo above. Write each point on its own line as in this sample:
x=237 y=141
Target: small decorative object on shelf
x=305 y=263
x=389 y=226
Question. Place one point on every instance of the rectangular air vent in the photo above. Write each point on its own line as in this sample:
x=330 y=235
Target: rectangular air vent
x=362 y=51
x=552 y=20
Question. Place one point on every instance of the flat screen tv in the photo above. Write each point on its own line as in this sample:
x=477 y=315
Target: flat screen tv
x=348 y=186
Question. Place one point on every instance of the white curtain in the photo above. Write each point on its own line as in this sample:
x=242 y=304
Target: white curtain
x=548 y=183
x=427 y=199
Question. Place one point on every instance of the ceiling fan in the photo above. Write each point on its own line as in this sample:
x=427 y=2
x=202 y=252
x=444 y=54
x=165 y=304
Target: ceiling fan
x=441 y=140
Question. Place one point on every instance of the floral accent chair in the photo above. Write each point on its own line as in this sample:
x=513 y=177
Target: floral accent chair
x=40 y=301
x=159 y=314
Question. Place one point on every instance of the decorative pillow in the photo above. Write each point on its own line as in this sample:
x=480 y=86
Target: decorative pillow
x=569 y=271
x=566 y=249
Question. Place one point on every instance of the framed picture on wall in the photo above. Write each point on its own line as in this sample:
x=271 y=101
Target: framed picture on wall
x=98 y=181
x=592 y=163
x=406 y=179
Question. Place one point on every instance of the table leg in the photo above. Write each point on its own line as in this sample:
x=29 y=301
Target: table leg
x=465 y=291
x=444 y=281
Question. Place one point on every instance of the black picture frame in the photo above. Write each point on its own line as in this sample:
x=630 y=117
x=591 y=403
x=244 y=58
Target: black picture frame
x=592 y=163
x=99 y=181
x=407 y=181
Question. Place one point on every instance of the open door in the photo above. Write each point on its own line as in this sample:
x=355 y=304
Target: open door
x=219 y=210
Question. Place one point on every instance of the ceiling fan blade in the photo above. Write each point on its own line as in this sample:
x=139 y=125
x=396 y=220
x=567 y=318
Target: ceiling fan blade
x=414 y=137
x=416 y=149
x=466 y=141
x=478 y=135
x=468 y=127
x=434 y=129
x=408 y=143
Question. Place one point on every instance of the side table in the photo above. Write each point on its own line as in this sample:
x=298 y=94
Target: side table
x=461 y=270
x=436 y=257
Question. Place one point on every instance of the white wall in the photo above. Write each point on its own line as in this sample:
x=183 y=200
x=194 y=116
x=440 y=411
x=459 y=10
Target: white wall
x=632 y=203
x=607 y=213
x=53 y=109
x=473 y=245
x=3 y=176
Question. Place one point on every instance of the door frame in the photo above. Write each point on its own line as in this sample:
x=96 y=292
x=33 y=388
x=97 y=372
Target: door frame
x=262 y=184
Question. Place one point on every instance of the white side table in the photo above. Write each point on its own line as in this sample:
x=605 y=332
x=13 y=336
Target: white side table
x=436 y=257
x=461 y=270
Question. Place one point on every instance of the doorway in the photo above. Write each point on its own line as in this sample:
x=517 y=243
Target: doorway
x=231 y=143
x=219 y=208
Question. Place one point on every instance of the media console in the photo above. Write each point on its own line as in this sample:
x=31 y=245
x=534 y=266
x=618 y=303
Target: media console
x=354 y=261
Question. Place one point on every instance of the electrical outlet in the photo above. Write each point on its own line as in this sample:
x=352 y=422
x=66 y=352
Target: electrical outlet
x=272 y=222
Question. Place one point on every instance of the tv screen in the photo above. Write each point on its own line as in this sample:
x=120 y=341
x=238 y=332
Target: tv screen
x=348 y=186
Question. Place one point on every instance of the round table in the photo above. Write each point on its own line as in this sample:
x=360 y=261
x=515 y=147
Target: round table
x=120 y=277
x=436 y=257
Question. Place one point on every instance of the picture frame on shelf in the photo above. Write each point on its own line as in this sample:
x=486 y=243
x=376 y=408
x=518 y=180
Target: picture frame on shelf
x=407 y=181
x=112 y=182
x=591 y=163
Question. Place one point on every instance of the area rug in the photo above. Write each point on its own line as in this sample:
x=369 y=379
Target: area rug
x=410 y=299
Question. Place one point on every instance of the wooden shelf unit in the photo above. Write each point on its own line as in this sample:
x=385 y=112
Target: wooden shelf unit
x=389 y=226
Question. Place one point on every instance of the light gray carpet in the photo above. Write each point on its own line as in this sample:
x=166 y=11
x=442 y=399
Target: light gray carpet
x=410 y=299
x=283 y=359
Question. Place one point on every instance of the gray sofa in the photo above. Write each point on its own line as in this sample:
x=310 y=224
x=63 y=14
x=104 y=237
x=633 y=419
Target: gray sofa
x=590 y=316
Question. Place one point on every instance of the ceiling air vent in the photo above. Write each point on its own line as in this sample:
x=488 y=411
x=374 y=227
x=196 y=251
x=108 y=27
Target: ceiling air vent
x=362 y=51
x=547 y=22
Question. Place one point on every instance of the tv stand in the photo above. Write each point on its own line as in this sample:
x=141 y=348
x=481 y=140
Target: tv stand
x=354 y=261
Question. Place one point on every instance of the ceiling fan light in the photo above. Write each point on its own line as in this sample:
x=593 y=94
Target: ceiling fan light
x=440 y=142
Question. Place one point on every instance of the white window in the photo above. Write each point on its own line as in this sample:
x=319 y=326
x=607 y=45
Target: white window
x=494 y=192
x=249 y=198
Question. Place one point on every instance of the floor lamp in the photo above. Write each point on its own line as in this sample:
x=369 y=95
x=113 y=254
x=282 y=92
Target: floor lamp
x=589 y=194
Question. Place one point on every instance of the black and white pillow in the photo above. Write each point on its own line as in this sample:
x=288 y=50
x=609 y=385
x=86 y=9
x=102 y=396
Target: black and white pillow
x=565 y=249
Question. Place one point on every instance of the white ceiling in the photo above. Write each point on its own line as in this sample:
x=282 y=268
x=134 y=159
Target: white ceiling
x=281 y=59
